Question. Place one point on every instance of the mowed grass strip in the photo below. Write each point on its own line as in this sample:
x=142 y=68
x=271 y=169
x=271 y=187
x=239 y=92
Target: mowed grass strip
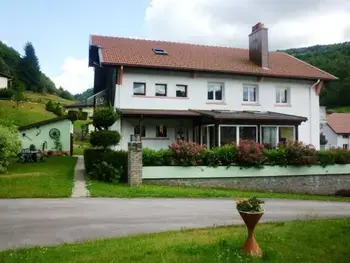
x=321 y=241
x=53 y=178
x=102 y=189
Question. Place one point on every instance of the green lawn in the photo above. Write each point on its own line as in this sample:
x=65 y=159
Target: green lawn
x=45 y=97
x=79 y=147
x=27 y=112
x=101 y=189
x=53 y=178
x=321 y=241
x=345 y=109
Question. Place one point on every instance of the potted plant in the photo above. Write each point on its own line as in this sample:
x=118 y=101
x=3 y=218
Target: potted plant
x=251 y=210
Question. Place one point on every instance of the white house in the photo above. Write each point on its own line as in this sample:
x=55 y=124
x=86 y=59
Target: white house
x=207 y=94
x=4 y=81
x=337 y=130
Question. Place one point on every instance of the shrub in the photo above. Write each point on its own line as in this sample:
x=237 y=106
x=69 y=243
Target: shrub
x=341 y=156
x=298 y=153
x=83 y=115
x=224 y=155
x=186 y=153
x=250 y=153
x=32 y=147
x=104 y=117
x=10 y=146
x=116 y=159
x=78 y=115
x=156 y=157
x=50 y=106
x=325 y=158
x=105 y=172
x=6 y=93
x=58 y=110
x=276 y=156
x=343 y=192
x=104 y=138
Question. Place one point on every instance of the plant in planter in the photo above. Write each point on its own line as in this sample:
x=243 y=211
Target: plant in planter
x=251 y=210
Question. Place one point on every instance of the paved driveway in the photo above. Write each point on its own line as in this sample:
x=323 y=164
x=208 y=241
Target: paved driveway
x=28 y=222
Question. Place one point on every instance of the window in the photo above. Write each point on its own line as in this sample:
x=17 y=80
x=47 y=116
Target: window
x=228 y=134
x=345 y=136
x=282 y=95
x=247 y=133
x=215 y=91
x=345 y=146
x=285 y=134
x=161 y=131
x=159 y=51
x=250 y=93
x=269 y=136
x=161 y=90
x=141 y=132
x=181 y=91
x=139 y=88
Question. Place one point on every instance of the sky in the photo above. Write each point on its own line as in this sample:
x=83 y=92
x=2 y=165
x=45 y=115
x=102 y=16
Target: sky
x=60 y=29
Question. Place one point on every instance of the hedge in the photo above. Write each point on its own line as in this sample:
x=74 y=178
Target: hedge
x=247 y=154
x=117 y=159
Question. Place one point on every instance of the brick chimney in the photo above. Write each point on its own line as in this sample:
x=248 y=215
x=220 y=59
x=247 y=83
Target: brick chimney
x=258 y=46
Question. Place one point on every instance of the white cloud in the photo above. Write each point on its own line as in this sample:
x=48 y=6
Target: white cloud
x=75 y=75
x=228 y=22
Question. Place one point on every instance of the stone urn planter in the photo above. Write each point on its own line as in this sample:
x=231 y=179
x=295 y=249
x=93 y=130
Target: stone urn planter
x=251 y=211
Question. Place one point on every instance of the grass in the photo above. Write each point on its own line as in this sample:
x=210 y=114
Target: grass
x=345 y=109
x=78 y=123
x=27 y=113
x=53 y=178
x=321 y=241
x=102 y=189
x=80 y=146
x=45 y=97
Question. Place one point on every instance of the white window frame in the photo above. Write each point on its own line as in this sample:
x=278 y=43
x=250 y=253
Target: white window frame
x=237 y=131
x=277 y=131
x=249 y=86
x=278 y=91
x=222 y=84
x=206 y=126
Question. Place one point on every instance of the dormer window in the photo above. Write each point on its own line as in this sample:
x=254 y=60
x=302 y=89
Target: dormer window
x=159 y=51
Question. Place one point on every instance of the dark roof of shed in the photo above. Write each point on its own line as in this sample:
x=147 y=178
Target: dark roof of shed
x=80 y=104
x=40 y=123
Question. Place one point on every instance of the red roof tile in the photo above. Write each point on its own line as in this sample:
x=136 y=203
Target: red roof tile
x=339 y=122
x=137 y=52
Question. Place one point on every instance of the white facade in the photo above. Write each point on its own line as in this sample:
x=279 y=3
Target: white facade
x=3 y=82
x=334 y=140
x=303 y=100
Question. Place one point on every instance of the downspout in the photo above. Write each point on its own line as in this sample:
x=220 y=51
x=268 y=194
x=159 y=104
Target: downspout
x=310 y=108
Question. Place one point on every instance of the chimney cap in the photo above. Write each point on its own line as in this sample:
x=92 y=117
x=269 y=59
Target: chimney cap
x=257 y=27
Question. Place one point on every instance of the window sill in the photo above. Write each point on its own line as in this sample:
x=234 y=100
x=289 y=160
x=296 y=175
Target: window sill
x=160 y=97
x=155 y=139
x=283 y=105
x=216 y=102
x=251 y=104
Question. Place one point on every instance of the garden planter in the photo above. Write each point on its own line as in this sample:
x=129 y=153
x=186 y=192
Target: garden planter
x=251 y=247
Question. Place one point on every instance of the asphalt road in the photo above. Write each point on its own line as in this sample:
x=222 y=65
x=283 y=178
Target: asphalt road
x=30 y=222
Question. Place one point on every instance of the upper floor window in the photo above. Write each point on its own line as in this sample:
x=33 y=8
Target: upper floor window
x=161 y=131
x=282 y=95
x=139 y=88
x=139 y=131
x=181 y=90
x=345 y=146
x=250 y=93
x=345 y=136
x=215 y=91
x=161 y=89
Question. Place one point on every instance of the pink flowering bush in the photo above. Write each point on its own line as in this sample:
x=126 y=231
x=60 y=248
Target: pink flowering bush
x=186 y=153
x=298 y=153
x=250 y=153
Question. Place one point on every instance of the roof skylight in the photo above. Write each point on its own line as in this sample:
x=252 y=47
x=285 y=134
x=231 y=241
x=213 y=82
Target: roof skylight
x=159 y=51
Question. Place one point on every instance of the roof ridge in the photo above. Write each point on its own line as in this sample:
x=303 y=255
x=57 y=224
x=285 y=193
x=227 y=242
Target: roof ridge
x=172 y=42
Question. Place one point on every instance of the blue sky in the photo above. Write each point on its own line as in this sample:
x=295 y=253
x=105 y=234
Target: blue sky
x=60 y=29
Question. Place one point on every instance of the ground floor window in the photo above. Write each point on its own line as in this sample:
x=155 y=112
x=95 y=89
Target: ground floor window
x=161 y=131
x=208 y=135
x=228 y=134
x=140 y=131
x=345 y=146
x=233 y=133
x=269 y=136
x=273 y=135
x=286 y=133
x=248 y=133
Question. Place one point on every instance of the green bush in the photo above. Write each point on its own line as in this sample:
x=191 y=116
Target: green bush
x=58 y=110
x=50 y=106
x=116 y=159
x=341 y=156
x=225 y=155
x=298 y=153
x=10 y=146
x=83 y=115
x=78 y=115
x=276 y=156
x=104 y=117
x=6 y=93
x=104 y=138
x=156 y=157
x=106 y=172
x=325 y=158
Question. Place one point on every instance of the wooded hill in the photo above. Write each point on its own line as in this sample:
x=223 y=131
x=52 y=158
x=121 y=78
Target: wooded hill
x=25 y=71
x=334 y=59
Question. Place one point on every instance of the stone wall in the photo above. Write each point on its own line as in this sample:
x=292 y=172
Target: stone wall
x=308 y=184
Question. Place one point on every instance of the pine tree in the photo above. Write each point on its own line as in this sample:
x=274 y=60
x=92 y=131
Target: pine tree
x=30 y=69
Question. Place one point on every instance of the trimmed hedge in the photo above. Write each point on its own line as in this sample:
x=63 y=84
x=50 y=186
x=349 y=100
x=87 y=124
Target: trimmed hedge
x=6 y=93
x=117 y=159
x=248 y=154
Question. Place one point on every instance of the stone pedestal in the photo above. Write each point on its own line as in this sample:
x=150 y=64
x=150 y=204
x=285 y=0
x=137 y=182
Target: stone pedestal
x=134 y=163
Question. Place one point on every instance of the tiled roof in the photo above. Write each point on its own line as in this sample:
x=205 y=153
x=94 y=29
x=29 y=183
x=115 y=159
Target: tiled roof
x=339 y=122
x=181 y=56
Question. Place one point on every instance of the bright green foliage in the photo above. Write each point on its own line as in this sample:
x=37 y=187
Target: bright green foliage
x=252 y=205
x=106 y=172
x=104 y=117
x=104 y=138
x=10 y=146
x=50 y=106
x=18 y=92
